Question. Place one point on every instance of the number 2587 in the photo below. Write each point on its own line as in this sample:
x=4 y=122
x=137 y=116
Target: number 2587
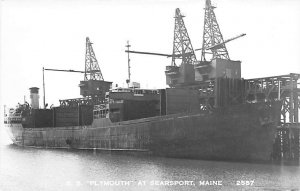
x=244 y=182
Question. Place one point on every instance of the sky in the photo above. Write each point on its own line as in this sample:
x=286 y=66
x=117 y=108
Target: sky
x=51 y=34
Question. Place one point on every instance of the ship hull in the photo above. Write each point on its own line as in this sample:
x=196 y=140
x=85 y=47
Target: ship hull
x=241 y=133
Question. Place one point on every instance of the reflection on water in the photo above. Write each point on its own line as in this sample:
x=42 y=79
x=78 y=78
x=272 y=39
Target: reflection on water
x=42 y=169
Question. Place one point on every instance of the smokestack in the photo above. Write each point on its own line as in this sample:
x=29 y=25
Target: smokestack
x=34 y=97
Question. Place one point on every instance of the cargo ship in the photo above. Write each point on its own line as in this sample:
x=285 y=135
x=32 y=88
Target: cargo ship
x=208 y=112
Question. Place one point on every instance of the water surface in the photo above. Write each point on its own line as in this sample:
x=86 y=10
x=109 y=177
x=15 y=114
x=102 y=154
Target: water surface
x=46 y=169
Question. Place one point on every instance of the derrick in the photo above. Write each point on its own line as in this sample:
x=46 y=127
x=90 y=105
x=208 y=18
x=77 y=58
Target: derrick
x=212 y=35
x=92 y=69
x=182 y=44
x=93 y=88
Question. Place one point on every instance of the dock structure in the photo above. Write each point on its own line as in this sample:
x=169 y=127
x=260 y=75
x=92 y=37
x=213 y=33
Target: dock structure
x=222 y=92
x=285 y=88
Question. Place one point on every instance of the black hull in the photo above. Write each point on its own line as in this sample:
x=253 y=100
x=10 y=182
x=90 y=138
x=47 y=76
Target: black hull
x=244 y=132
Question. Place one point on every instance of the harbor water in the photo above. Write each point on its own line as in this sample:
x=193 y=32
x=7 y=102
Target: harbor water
x=30 y=169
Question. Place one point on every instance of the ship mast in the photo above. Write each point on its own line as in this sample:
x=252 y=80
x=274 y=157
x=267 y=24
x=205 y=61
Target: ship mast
x=128 y=60
x=44 y=94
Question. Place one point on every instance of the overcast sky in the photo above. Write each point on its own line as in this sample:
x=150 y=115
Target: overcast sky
x=52 y=34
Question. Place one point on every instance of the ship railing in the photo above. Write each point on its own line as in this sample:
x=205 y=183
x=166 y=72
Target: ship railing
x=81 y=101
x=14 y=119
x=15 y=114
x=100 y=114
x=99 y=107
x=172 y=70
x=112 y=101
x=100 y=111
x=289 y=125
x=267 y=91
x=135 y=91
x=285 y=82
x=117 y=101
x=5 y=119
x=121 y=90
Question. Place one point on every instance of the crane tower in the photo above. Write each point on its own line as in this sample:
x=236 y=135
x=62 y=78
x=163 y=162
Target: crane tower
x=213 y=45
x=93 y=88
x=182 y=44
x=181 y=73
x=92 y=69
x=212 y=35
x=93 y=85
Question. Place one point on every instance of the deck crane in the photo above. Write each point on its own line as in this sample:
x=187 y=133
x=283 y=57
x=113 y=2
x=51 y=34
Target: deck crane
x=212 y=41
x=189 y=71
x=183 y=55
x=93 y=87
x=215 y=61
x=58 y=70
x=92 y=69
x=158 y=54
x=182 y=46
x=220 y=45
